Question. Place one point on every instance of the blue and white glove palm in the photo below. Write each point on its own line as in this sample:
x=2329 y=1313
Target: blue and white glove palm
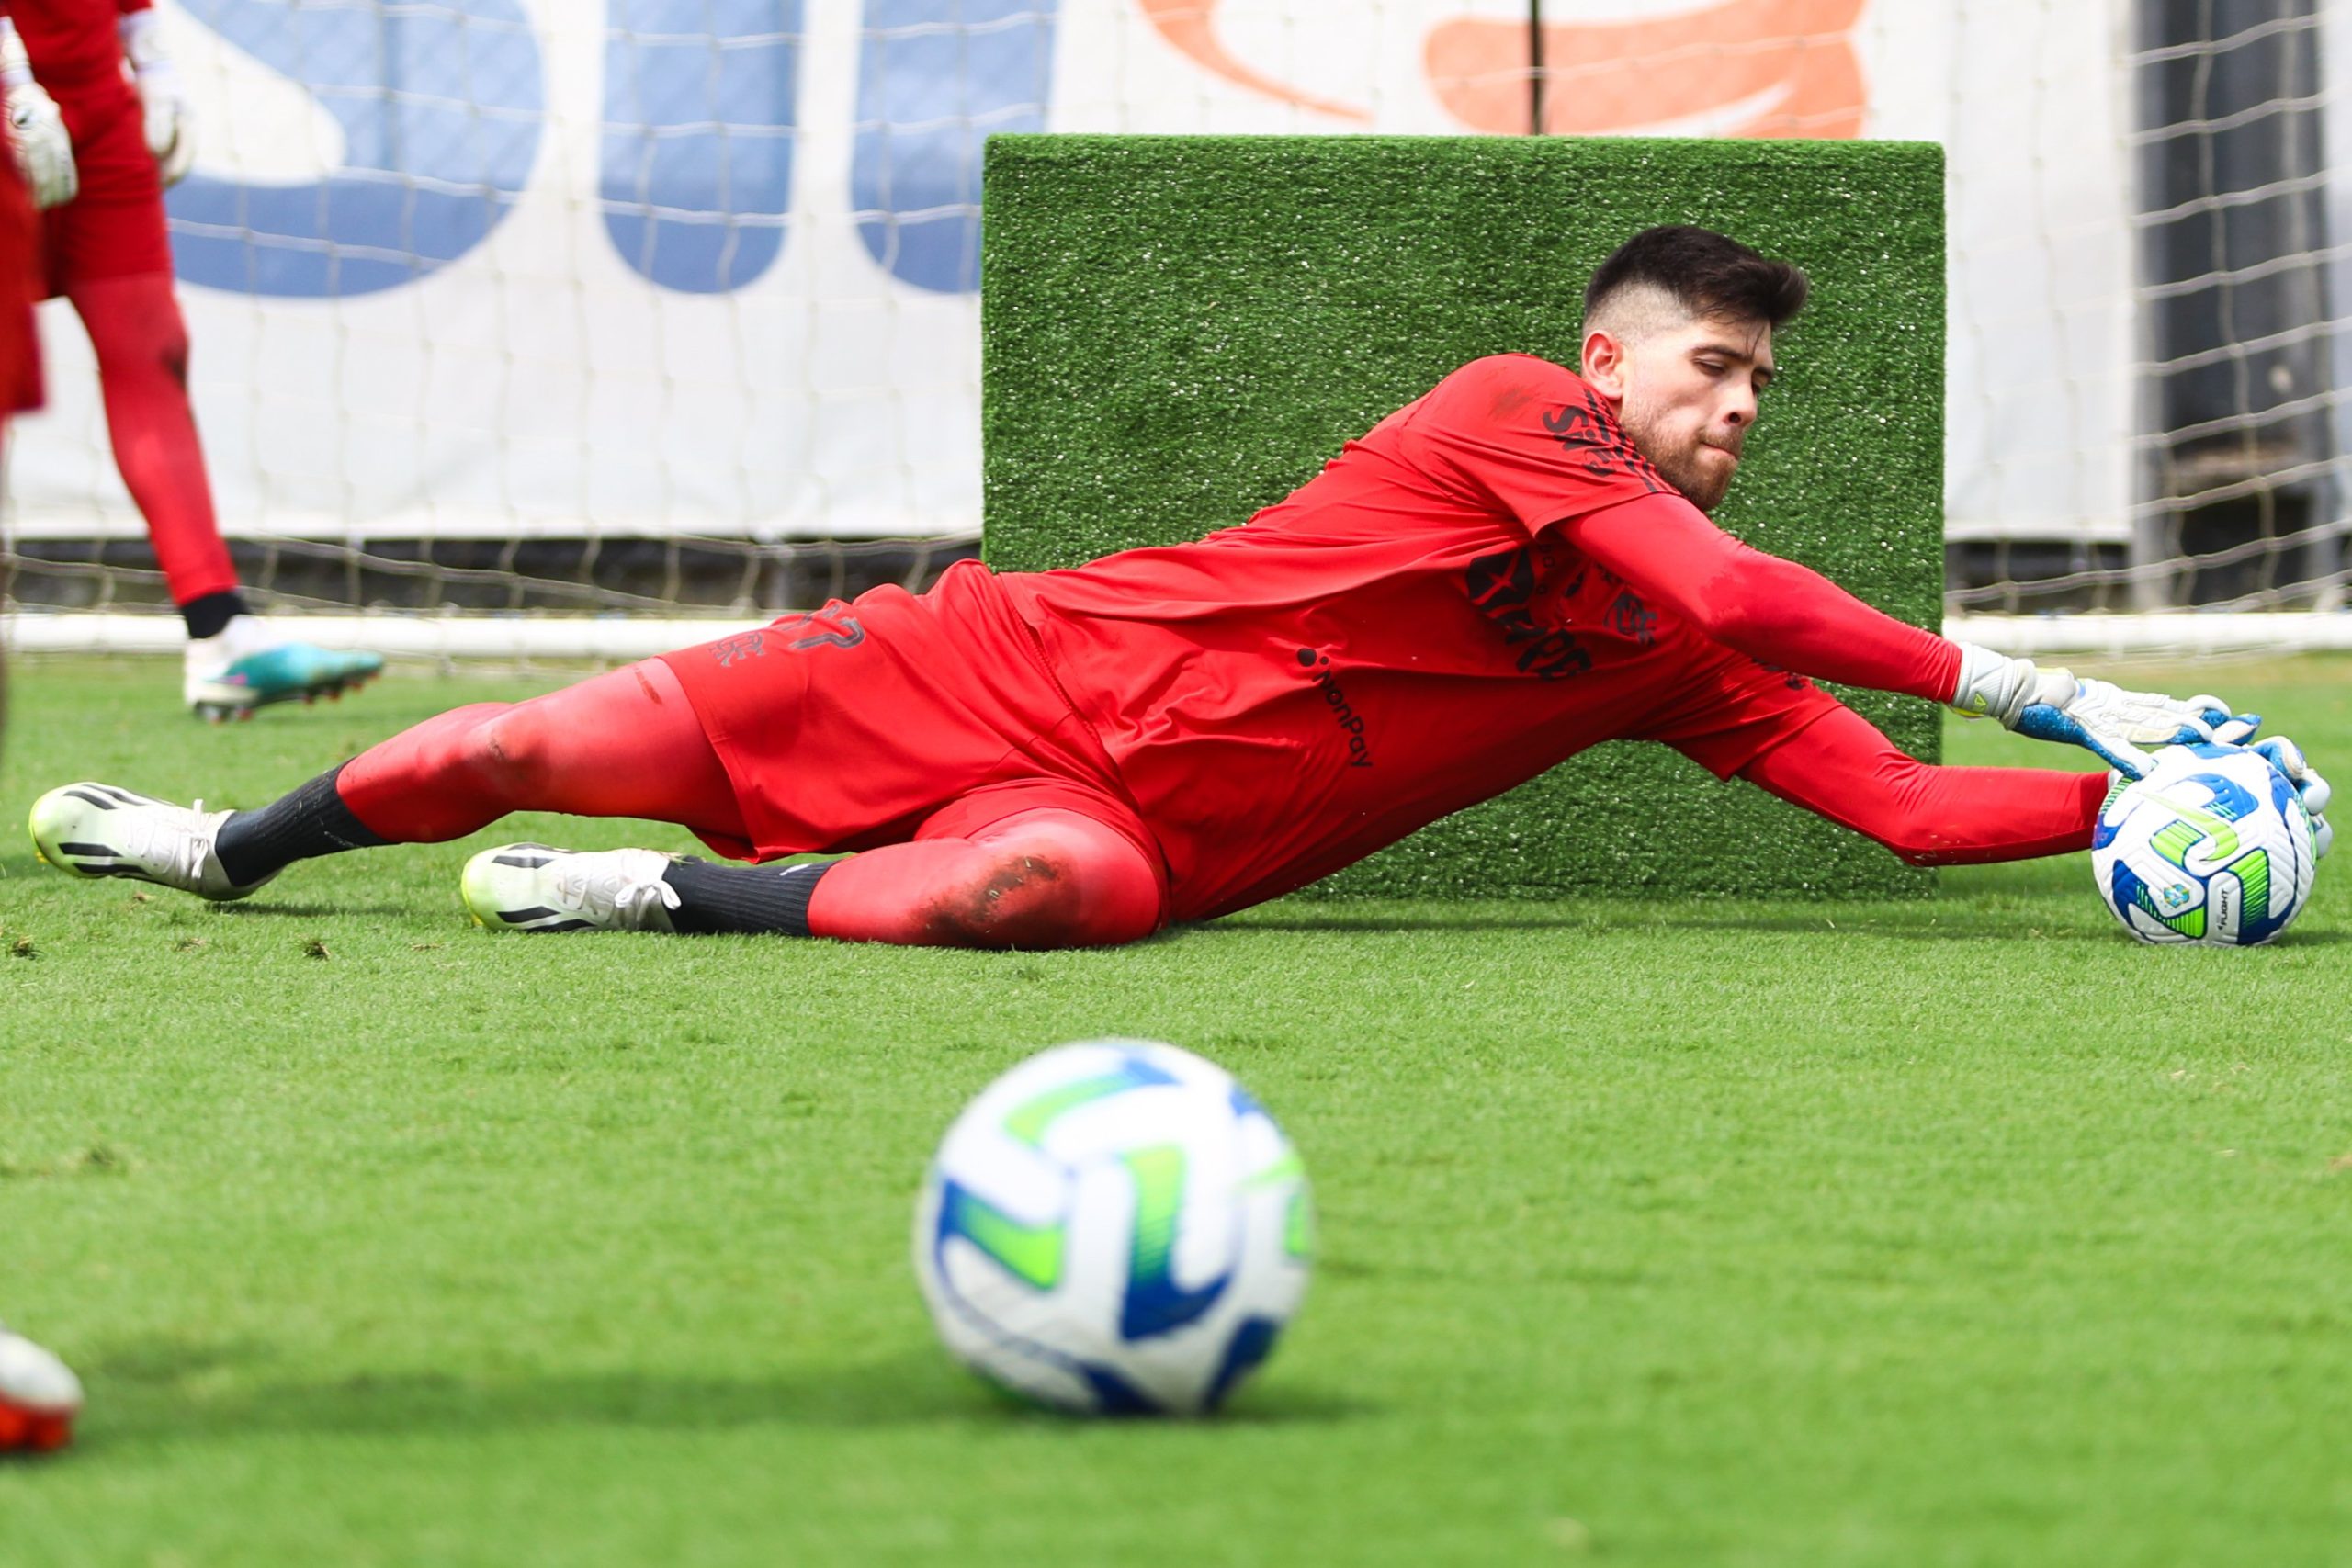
x=2310 y=788
x=2119 y=728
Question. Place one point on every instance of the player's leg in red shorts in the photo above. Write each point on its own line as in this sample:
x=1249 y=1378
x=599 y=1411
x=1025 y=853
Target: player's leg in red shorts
x=1044 y=877
x=620 y=744
x=629 y=744
x=928 y=733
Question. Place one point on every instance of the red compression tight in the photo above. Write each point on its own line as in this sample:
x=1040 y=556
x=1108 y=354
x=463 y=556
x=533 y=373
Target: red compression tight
x=1043 y=878
x=628 y=744
x=1841 y=767
x=141 y=346
x=621 y=744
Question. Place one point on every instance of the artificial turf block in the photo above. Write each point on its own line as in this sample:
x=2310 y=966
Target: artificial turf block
x=1180 y=330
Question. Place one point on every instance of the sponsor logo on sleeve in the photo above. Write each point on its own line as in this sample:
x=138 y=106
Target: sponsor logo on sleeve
x=732 y=650
x=1598 y=444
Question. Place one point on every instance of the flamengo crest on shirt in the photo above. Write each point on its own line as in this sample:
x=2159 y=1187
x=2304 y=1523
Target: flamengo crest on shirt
x=818 y=628
x=1502 y=588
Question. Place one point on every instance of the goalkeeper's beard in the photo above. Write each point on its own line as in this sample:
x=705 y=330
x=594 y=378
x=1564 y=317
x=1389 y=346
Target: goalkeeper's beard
x=1688 y=463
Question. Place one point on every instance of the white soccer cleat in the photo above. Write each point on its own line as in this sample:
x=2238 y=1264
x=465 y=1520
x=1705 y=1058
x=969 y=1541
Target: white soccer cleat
x=532 y=888
x=96 y=830
x=39 y=1397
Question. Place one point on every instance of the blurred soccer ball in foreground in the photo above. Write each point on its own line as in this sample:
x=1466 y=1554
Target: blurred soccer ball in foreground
x=38 y=1397
x=2212 y=847
x=1114 y=1228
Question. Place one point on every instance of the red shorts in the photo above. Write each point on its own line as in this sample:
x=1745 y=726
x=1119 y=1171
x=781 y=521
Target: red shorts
x=114 y=228
x=895 y=718
x=19 y=340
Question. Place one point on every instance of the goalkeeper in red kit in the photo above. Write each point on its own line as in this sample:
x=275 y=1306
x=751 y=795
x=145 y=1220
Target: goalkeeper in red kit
x=1498 y=575
x=99 y=127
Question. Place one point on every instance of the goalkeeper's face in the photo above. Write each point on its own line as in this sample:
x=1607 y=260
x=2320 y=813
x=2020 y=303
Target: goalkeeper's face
x=1686 y=395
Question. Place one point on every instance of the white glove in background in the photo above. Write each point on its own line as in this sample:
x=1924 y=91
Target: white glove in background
x=170 y=123
x=36 y=129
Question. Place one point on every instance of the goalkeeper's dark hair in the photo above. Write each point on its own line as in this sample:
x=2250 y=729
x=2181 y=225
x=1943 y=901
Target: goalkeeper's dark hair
x=1708 y=274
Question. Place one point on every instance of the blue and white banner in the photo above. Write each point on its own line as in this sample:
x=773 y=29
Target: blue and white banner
x=507 y=268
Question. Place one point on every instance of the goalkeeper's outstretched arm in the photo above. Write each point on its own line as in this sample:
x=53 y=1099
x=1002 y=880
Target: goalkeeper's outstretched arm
x=1843 y=768
x=1792 y=617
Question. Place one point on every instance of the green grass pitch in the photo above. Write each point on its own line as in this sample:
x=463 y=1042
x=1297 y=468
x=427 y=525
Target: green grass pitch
x=1957 y=1231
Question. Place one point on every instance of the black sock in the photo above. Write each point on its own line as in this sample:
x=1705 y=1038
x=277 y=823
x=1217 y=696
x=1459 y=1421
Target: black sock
x=743 y=897
x=208 y=615
x=313 y=821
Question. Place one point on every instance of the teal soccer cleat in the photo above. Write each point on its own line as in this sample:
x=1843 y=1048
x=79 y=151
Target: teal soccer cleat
x=218 y=689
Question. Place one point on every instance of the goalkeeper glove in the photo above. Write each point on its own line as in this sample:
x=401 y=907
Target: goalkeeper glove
x=170 y=124
x=2310 y=788
x=36 y=129
x=2119 y=726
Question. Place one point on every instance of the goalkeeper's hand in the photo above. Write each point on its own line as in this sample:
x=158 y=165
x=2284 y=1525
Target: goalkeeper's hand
x=2119 y=726
x=2310 y=788
x=169 y=124
x=36 y=129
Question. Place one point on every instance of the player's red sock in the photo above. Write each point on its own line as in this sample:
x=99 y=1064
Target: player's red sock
x=628 y=744
x=141 y=346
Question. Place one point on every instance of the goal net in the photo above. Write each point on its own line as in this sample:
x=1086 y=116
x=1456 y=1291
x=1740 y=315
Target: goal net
x=549 y=327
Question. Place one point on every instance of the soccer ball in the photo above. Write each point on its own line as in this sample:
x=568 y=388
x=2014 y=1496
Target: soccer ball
x=2212 y=847
x=38 y=1397
x=1114 y=1228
